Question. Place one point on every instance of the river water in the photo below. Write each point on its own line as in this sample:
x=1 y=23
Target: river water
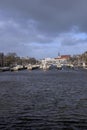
x=38 y=100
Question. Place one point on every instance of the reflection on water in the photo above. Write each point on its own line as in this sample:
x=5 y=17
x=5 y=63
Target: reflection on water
x=39 y=100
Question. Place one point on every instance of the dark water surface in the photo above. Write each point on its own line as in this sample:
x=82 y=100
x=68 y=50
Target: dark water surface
x=38 y=100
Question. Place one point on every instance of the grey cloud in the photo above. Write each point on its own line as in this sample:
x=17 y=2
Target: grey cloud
x=12 y=32
x=52 y=16
x=72 y=39
x=23 y=22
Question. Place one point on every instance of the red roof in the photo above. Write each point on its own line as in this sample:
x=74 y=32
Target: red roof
x=63 y=57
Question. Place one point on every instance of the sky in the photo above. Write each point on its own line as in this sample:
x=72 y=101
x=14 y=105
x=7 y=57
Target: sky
x=43 y=28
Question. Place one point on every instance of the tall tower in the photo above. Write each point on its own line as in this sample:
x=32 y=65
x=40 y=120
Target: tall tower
x=58 y=54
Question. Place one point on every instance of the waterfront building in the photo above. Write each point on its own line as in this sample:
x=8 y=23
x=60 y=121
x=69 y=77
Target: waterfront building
x=63 y=58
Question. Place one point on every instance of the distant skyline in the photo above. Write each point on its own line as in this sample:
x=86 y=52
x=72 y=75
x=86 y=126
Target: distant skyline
x=42 y=28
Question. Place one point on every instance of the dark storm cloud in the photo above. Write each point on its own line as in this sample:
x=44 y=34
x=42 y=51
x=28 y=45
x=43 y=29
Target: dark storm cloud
x=23 y=22
x=52 y=16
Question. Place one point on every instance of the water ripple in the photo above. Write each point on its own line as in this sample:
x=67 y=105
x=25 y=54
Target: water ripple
x=37 y=100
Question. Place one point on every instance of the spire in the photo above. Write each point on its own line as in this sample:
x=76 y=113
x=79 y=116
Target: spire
x=58 y=54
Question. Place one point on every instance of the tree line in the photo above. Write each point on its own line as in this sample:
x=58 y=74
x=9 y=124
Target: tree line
x=12 y=59
x=79 y=59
